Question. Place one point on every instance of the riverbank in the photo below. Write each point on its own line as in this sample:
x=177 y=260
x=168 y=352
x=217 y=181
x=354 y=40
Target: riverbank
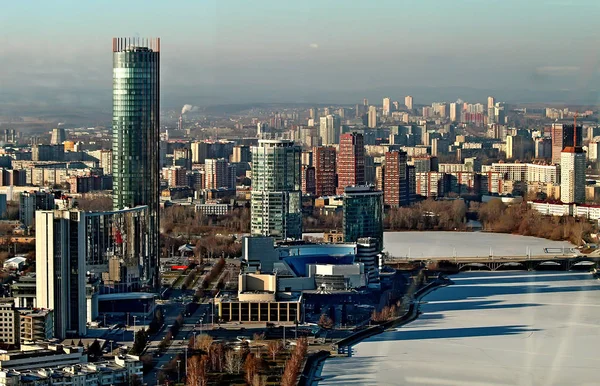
x=500 y=328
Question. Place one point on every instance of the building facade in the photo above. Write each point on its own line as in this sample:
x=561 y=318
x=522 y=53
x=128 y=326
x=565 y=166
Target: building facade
x=351 y=161
x=395 y=181
x=325 y=170
x=363 y=214
x=276 y=190
x=572 y=175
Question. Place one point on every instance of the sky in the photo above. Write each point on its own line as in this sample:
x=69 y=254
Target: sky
x=309 y=51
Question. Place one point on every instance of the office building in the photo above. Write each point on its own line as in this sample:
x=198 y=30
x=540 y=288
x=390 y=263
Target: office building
x=562 y=137
x=329 y=129
x=363 y=214
x=572 y=174
x=408 y=102
x=58 y=136
x=372 y=117
x=325 y=170
x=276 y=190
x=74 y=246
x=351 y=161
x=135 y=131
x=395 y=184
x=386 y=107
x=30 y=202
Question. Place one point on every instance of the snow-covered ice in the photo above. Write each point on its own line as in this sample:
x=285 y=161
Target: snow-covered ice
x=493 y=328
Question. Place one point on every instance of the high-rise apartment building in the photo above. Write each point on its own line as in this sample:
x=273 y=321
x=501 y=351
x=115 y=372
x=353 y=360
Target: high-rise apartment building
x=276 y=190
x=363 y=214
x=325 y=170
x=395 y=184
x=9 y=322
x=572 y=169
x=47 y=153
x=562 y=137
x=455 y=110
x=543 y=148
x=135 y=131
x=241 y=153
x=386 y=107
x=491 y=102
x=176 y=176
x=372 y=117
x=408 y=102
x=182 y=157
x=519 y=147
x=217 y=174
x=58 y=136
x=30 y=202
x=351 y=161
x=308 y=179
x=329 y=129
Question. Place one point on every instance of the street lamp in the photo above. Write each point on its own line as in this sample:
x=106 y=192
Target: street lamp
x=194 y=343
x=178 y=372
x=134 y=320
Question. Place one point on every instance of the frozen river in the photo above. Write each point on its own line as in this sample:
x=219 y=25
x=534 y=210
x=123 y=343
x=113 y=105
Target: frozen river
x=464 y=244
x=494 y=328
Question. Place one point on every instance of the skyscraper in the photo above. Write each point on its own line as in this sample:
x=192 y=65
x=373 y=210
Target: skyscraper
x=572 y=170
x=386 y=106
x=408 y=102
x=351 y=161
x=455 y=112
x=562 y=137
x=395 y=182
x=372 y=117
x=276 y=190
x=329 y=129
x=135 y=132
x=325 y=169
x=363 y=214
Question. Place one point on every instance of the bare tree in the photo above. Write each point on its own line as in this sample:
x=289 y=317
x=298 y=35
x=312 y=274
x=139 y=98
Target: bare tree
x=233 y=362
x=274 y=347
x=203 y=342
x=197 y=371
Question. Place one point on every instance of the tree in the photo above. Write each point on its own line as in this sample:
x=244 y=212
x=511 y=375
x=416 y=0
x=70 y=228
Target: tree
x=274 y=347
x=325 y=322
x=203 y=342
x=233 y=362
x=139 y=342
x=250 y=367
x=95 y=350
x=217 y=357
x=197 y=371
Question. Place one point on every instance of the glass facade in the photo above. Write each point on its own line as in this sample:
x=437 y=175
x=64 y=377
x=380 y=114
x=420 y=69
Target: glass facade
x=276 y=190
x=135 y=139
x=363 y=214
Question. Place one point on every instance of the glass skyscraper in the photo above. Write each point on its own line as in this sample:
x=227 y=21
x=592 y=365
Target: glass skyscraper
x=363 y=214
x=276 y=199
x=135 y=132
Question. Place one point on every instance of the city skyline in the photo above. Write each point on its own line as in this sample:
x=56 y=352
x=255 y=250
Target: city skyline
x=235 y=53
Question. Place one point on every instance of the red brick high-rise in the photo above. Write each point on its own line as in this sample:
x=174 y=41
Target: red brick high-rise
x=395 y=188
x=324 y=159
x=351 y=161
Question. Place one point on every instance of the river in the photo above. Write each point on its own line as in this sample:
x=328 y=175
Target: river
x=493 y=328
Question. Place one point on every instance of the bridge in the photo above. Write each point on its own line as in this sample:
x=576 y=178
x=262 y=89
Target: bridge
x=500 y=263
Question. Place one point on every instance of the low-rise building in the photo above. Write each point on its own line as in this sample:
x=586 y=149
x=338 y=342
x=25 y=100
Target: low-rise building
x=44 y=355
x=36 y=325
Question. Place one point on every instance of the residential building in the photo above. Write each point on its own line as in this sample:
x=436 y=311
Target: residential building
x=241 y=153
x=562 y=137
x=519 y=147
x=372 y=117
x=351 y=161
x=135 y=127
x=543 y=148
x=58 y=136
x=363 y=214
x=329 y=129
x=218 y=174
x=9 y=322
x=36 y=325
x=30 y=202
x=572 y=175
x=276 y=190
x=408 y=102
x=455 y=110
x=308 y=180
x=325 y=170
x=386 y=106
x=176 y=176
x=395 y=180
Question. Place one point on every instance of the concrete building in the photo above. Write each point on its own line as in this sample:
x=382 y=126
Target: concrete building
x=42 y=355
x=218 y=174
x=325 y=170
x=47 y=153
x=363 y=214
x=387 y=107
x=572 y=175
x=351 y=161
x=395 y=179
x=36 y=325
x=276 y=190
x=527 y=172
x=329 y=129
x=519 y=147
x=455 y=110
x=30 y=202
x=308 y=180
x=9 y=322
x=543 y=148
x=372 y=117
x=408 y=102
x=241 y=153
x=58 y=136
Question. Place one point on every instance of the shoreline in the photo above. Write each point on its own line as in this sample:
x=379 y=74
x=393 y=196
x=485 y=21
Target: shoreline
x=313 y=365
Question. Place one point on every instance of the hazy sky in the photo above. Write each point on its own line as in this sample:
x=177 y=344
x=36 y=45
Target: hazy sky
x=305 y=51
